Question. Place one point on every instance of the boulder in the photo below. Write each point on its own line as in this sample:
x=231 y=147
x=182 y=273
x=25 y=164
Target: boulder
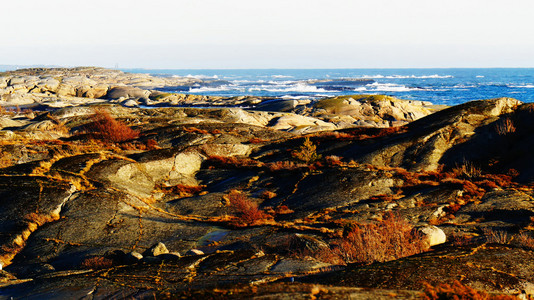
x=156 y=250
x=194 y=252
x=277 y=105
x=126 y=92
x=434 y=235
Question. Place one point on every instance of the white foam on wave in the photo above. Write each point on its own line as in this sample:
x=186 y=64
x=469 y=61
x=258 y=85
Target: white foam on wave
x=526 y=86
x=289 y=97
x=201 y=76
x=299 y=88
x=435 y=76
x=480 y=76
x=221 y=88
x=281 y=76
x=390 y=87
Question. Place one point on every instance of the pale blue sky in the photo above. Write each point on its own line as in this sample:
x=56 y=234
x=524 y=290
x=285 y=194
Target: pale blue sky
x=268 y=34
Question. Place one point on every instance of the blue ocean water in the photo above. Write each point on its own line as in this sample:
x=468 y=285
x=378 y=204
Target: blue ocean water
x=439 y=86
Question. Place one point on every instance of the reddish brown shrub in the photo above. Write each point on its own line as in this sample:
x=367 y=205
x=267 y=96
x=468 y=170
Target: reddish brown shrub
x=268 y=195
x=245 y=209
x=333 y=160
x=195 y=130
x=151 y=144
x=283 y=165
x=459 y=291
x=283 y=210
x=105 y=127
x=384 y=241
x=234 y=162
x=256 y=141
x=97 y=263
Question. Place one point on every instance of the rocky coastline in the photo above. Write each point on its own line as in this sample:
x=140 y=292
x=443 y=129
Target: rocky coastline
x=111 y=187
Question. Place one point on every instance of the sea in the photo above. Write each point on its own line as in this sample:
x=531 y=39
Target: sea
x=439 y=86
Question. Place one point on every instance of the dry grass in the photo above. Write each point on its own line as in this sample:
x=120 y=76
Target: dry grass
x=284 y=165
x=183 y=190
x=505 y=126
x=459 y=291
x=97 y=263
x=525 y=240
x=467 y=170
x=390 y=239
x=234 y=162
x=106 y=128
x=496 y=236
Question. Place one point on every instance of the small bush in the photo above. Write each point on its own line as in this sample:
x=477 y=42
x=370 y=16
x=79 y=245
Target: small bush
x=525 y=240
x=105 y=127
x=284 y=165
x=97 y=263
x=245 y=209
x=496 y=236
x=234 y=162
x=307 y=153
x=390 y=239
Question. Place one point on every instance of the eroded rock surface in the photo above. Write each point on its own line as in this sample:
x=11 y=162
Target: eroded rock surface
x=262 y=203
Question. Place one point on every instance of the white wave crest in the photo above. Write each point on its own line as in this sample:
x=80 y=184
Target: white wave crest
x=435 y=76
x=299 y=88
x=390 y=87
x=201 y=76
x=281 y=76
x=526 y=86
x=221 y=88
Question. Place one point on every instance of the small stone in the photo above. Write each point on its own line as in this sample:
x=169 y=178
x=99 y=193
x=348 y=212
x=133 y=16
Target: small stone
x=194 y=252
x=133 y=257
x=156 y=250
x=391 y=206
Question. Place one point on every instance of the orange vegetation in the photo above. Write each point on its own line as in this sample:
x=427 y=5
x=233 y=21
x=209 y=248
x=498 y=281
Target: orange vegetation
x=246 y=211
x=387 y=240
x=235 y=162
x=105 y=127
x=97 y=263
x=183 y=190
x=459 y=291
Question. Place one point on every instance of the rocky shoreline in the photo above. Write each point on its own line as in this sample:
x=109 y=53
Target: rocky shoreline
x=115 y=189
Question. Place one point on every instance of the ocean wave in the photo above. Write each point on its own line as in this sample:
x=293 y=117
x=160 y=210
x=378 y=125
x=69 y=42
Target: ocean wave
x=391 y=87
x=480 y=76
x=281 y=76
x=299 y=87
x=526 y=86
x=221 y=88
x=199 y=76
x=435 y=76
x=290 y=97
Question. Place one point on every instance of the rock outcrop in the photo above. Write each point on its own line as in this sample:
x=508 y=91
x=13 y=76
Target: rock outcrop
x=263 y=203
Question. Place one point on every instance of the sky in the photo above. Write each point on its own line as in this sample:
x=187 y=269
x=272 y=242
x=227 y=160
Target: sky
x=183 y=34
